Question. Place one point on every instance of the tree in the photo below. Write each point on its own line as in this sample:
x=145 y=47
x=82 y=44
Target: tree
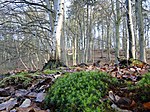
x=117 y=24
x=130 y=30
x=58 y=26
x=139 y=17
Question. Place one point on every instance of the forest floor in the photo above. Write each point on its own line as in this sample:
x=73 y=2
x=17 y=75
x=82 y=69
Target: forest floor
x=25 y=91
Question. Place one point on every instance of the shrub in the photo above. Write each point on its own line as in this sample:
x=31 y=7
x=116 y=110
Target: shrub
x=79 y=92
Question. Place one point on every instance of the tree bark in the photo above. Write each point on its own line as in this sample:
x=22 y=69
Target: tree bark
x=117 y=24
x=58 y=29
x=87 y=37
x=140 y=29
x=108 y=40
x=130 y=30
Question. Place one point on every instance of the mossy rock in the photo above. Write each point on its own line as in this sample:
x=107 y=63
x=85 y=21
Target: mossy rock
x=80 y=92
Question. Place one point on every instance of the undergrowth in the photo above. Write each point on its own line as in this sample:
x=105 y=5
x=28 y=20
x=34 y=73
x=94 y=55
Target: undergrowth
x=48 y=71
x=22 y=79
x=142 y=88
x=80 y=92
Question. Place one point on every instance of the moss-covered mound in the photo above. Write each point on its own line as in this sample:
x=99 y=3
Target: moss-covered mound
x=79 y=92
x=22 y=79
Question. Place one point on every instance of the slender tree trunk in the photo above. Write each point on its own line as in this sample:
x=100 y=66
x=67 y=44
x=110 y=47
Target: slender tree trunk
x=140 y=29
x=102 y=41
x=108 y=40
x=84 y=39
x=124 y=38
x=99 y=37
x=63 y=43
x=130 y=30
x=74 y=50
x=18 y=53
x=51 y=25
x=87 y=36
x=81 y=47
x=90 y=36
x=117 y=24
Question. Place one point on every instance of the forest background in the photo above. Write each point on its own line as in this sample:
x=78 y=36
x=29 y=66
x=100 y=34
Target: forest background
x=72 y=31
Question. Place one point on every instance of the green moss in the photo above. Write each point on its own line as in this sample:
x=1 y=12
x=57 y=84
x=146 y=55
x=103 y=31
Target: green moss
x=22 y=73
x=145 y=81
x=79 y=92
x=48 y=71
x=15 y=80
x=141 y=89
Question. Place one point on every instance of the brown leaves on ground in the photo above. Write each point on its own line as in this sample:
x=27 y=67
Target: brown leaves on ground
x=146 y=105
x=31 y=99
x=26 y=99
x=130 y=71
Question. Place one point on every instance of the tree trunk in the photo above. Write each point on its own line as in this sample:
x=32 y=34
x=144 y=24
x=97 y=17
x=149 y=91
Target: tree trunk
x=63 y=43
x=140 y=29
x=130 y=30
x=108 y=40
x=124 y=38
x=117 y=24
x=87 y=36
x=58 y=27
x=102 y=41
x=74 y=50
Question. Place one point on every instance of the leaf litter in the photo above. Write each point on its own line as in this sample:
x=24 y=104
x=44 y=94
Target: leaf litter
x=29 y=96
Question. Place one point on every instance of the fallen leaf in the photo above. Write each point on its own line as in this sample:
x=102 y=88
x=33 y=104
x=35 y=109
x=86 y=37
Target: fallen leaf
x=78 y=69
x=32 y=95
x=147 y=105
x=40 y=97
x=119 y=109
x=32 y=108
x=13 y=110
x=2 y=99
x=121 y=102
x=4 y=92
x=8 y=104
x=21 y=92
x=26 y=103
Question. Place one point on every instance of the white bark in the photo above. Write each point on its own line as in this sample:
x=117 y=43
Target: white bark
x=58 y=26
x=130 y=30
